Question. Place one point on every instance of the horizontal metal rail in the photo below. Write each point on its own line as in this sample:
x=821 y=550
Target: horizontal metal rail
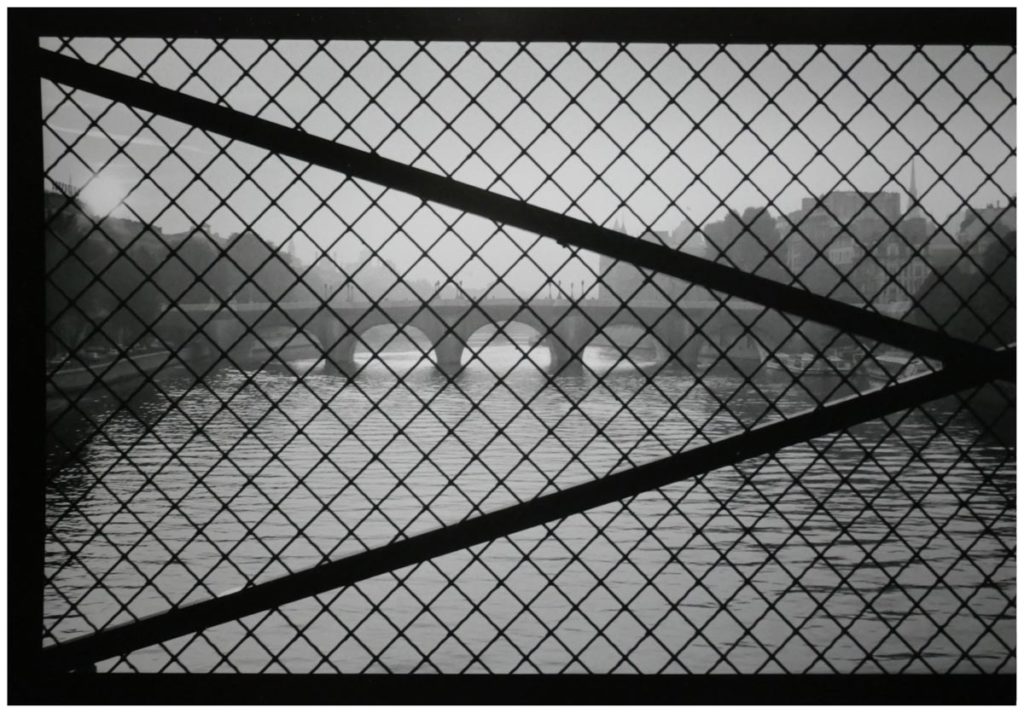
x=429 y=186
x=804 y=25
x=844 y=413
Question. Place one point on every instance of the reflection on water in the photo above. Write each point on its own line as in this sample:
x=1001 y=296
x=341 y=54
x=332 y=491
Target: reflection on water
x=842 y=554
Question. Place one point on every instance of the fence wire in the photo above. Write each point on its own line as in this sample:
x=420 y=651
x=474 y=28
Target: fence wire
x=257 y=365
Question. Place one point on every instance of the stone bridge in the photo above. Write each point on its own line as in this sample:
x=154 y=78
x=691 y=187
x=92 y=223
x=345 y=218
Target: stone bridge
x=678 y=332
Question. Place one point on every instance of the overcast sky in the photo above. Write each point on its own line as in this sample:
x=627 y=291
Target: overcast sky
x=650 y=110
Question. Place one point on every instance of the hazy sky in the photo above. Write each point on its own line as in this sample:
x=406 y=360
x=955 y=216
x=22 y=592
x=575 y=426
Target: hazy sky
x=614 y=116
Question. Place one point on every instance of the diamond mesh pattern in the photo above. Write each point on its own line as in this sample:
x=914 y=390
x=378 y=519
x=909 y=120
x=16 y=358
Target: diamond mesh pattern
x=259 y=365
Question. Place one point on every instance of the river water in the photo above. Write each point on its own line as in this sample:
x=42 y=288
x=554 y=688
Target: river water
x=843 y=554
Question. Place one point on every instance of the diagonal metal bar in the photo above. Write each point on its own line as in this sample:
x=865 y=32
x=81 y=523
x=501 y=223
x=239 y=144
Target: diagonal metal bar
x=564 y=229
x=814 y=423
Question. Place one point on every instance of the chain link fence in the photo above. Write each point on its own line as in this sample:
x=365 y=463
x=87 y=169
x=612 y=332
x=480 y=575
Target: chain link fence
x=259 y=364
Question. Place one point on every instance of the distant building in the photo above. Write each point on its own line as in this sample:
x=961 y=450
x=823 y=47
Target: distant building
x=622 y=281
x=919 y=248
x=859 y=247
x=748 y=242
x=828 y=236
x=906 y=262
x=983 y=230
x=688 y=238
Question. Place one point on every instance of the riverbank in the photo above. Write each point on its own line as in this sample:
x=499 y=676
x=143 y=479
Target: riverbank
x=76 y=376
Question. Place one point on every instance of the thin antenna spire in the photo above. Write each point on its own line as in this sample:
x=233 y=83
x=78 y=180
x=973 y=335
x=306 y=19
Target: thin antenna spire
x=914 y=211
x=622 y=222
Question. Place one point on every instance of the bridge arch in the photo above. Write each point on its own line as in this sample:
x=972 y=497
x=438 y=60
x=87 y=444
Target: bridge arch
x=679 y=333
x=485 y=335
x=429 y=334
x=670 y=336
x=374 y=340
x=567 y=332
x=367 y=333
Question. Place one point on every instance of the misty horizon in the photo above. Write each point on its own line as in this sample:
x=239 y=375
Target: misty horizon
x=650 y=151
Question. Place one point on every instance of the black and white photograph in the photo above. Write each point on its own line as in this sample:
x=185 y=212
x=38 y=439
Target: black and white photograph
x=581 y=355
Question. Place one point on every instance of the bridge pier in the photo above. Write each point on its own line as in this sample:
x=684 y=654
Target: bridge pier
x=229 y=338
x=340 y=359
x=737 y=353
x=677 y=354
x=336 y=365
x=563 y=361
x=678 y=344
x=566 y=345
x=221 y=339
x=448 y=353
x=337 y=345
x=198 y=353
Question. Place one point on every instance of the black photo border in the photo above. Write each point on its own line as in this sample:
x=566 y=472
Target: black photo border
x=28 y=683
